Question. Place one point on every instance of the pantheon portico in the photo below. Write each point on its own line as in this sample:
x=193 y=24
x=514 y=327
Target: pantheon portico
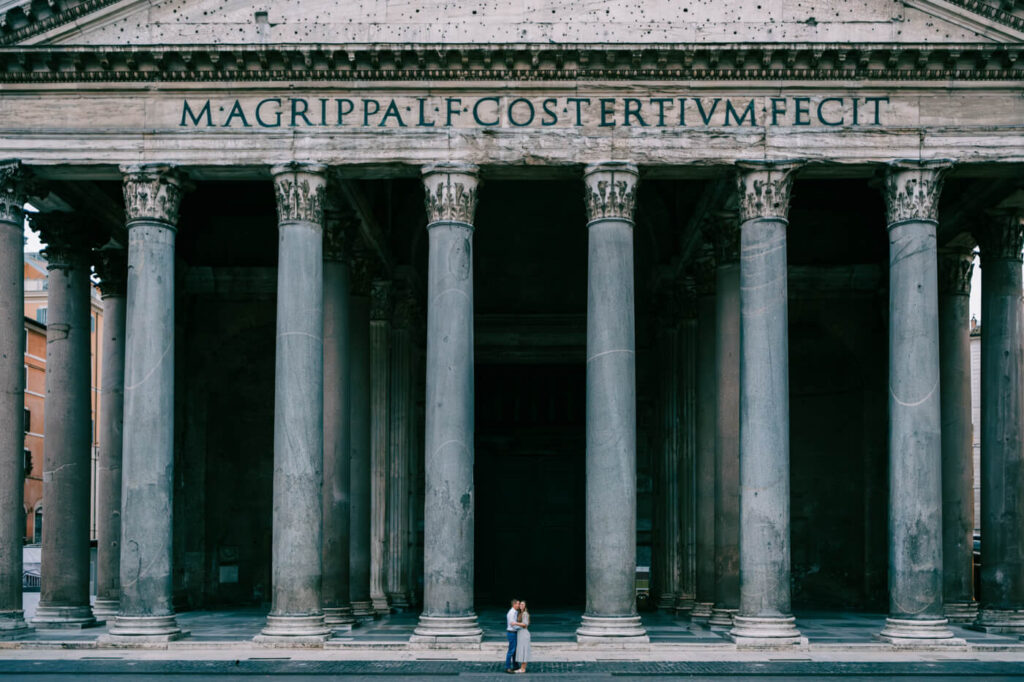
x=384 y=315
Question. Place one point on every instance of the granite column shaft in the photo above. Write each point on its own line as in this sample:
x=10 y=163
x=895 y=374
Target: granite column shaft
x=359 y=440
x=399 y=448
x=705 y=440
x=380 y=356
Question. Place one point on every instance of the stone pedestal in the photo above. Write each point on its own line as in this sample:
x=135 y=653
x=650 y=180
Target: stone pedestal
x=67 y=460
x=704 y=276
x=146 y=612
x=296 y=613
x=724 y=233
x=337 y=400
x=15 y=182
x=1002 y=430
x=380 y=351
x=359 y=412
x=956 y=266
x=112 y=266
x=915 y=457
x=764 y=617
x=610 y=616
x=449 y=506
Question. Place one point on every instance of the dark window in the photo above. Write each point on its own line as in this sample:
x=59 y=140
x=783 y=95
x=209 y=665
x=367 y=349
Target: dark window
x=37 y=527
x=28 y=420
x=28 y=462
x=41 y=315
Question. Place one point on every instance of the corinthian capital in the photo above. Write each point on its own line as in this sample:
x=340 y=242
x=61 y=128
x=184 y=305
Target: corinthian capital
x=340 y=229
x=722 y=230
x=1001 y=236
x=610 y=190
x=300 y=189
x=68 y=239
x=912 y=190
x=153 y=192
x=763 y=188
x=380 y=300
x=956 y=266
x=16 y=184
x=112 y=267
x=450 y=192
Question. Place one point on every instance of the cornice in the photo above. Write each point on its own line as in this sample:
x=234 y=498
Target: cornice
x=984 y=16
x=422 y=62
x=32 y=24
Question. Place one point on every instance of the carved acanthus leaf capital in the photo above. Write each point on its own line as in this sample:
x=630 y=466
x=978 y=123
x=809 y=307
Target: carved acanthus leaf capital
x=300 y=188
x=956 y=266
x=341 y=227
x=111 y=265
x=912 y=188
x=610 y=191
x=1001 y=235
x=17 y=183
x=68 y=238
x=153 y=192
x=450 y=192
x=380 y=300
x=764 y=188
x=362 y=269
x=722 y=230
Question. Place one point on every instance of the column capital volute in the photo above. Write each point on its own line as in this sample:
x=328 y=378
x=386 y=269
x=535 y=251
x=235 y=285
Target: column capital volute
x=1001 y=235
x=153 y=192
x=300 y=188
x=111 y=264
x=17 y=183
x=722 y=230
x=380 y=300
x=911 y=189
x=69 y=237
x=763 y=188
x=450 y=192
x=610 y=190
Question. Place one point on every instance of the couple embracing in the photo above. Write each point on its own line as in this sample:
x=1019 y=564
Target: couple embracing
x=517 y=622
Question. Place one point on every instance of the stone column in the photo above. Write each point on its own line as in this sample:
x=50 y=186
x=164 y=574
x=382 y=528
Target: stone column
x=359 y=416
x=380 y=342
x=686 y=307
x=704 y=271
x=400 y=446
x=337 y=429
x=67 y=456
x=610 y=196
x=112 y=267
x=915 y=449
x=296 y=613
x=956 y=265
x=449 y=505
x=1002 y=430
x=152 y=195
x=667 y=466
x=765 y=615
x=724 y=232
x=15 y=183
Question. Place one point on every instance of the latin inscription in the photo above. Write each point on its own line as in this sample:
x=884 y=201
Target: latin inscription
x=529 y=112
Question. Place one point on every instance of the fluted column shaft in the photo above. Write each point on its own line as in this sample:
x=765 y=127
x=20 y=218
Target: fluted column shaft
x=668 y=461
x=67 y=458
x=1002 y=425
x=915 y=450
x=610 y=196
x=296 y=612
x=152 y=197
x=112 y=268
x=15 y=182
x=705 y=439
x=359 y=518
x=449 y=504
x=955 y=269
x=380 y=342
x=337 y=431
x=687 y=588
x=764 y=616
x=399 y=449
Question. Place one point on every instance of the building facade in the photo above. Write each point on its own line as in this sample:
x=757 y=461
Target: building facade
x=724 y=257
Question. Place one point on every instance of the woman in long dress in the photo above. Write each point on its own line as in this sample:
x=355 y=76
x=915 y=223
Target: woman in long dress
x=523 y=638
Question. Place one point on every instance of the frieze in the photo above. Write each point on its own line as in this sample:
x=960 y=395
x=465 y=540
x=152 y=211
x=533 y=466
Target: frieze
x=911 y=190
x=16 y=184
x=1001 y=235
x=153 y=192
x=763 y=189
x=610 y=191
x=300 y=189
x=956 y=267
x=450 y=193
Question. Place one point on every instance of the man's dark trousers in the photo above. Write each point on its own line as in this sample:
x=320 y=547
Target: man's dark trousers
x=510 y=657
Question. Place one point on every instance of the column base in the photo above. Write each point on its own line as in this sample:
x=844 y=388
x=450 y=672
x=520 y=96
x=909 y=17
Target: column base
x=960 y=611
x=381 y=606
x=701 y=612
x=339 y=618
x=611 y=630
x=293 y=631
x=129 y=630
x=363 y=610
x=721 y=619
x=684 y=605
x=447 y=630
x=105 y=609
x=399 y=601
x=666 y=602
x=64 y=618
x=765 y=632
x=999 y=621
x=13 y=625
x=918 y=633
